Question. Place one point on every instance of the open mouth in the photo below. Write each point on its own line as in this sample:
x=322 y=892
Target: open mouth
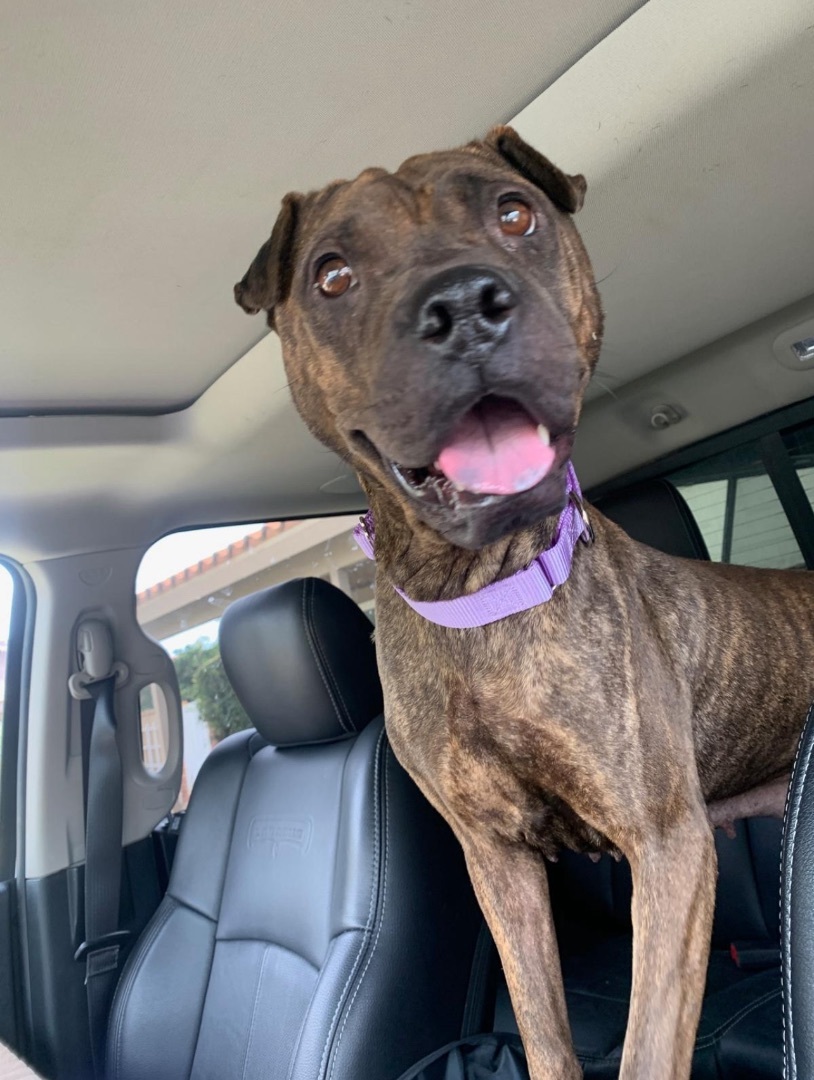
x=497 y=449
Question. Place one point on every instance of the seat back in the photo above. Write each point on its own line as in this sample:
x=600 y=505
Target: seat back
x=656 y=513
x=746 y=908
x=319 y=923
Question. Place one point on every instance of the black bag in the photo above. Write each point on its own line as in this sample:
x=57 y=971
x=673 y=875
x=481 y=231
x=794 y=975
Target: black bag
x=480 y=1057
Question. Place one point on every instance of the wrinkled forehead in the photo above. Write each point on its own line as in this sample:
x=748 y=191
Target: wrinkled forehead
x=424 y=188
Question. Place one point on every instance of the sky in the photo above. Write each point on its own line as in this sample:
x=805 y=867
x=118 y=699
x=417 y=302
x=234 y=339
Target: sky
x=163 y=559
x=182 y=549
x=176 y=552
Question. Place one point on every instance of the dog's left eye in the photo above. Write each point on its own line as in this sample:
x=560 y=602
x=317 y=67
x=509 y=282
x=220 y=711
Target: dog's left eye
x=516 y=217
x=334 y=277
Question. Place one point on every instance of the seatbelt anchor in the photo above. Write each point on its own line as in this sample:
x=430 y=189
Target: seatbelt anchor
x=94 y=643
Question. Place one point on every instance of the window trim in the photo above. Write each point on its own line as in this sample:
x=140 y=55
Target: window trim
x=12 y=756
x=790 y=492
x=729 y=518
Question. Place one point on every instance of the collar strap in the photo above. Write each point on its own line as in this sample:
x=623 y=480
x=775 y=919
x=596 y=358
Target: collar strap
x=526 y=589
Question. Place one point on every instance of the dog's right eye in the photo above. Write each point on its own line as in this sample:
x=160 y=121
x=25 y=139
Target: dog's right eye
x=516 y=217
x=334 y=277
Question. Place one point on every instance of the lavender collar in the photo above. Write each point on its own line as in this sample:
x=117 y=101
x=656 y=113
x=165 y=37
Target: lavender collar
x=526 y=589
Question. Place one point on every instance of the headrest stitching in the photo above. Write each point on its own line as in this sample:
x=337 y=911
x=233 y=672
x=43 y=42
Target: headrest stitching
x=313 y=645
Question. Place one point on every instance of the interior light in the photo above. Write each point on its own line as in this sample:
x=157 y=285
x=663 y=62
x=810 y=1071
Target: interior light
x=803 y=350
x=664 y=416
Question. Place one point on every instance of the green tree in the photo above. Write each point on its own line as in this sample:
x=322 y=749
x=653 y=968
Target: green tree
x=203 y=680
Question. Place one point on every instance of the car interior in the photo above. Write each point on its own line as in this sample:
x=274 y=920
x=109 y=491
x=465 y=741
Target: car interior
x=211 y=863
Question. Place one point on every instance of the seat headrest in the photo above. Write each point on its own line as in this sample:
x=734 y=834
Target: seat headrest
x=301 y=659
x=655 y=513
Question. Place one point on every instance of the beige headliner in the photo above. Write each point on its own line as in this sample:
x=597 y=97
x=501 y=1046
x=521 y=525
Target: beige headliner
x=146 y=147
x=692 y=121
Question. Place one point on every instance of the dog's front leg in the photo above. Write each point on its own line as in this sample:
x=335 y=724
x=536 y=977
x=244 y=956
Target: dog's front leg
x=511 y=885
x=673 y=900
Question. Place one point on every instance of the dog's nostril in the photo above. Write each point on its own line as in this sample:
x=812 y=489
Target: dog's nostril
x=496 y=301
x=464 y=309
x=436 y=323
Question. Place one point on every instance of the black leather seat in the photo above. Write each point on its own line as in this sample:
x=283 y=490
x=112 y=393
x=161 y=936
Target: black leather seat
x=319 y=924
x=656 y=513
x=796 y=913
x=740 y=1034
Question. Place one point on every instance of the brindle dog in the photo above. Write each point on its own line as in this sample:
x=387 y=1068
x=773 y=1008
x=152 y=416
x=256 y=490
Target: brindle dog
x=455 y=295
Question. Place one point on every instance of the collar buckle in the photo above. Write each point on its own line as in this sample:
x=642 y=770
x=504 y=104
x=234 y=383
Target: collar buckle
x=587 y=535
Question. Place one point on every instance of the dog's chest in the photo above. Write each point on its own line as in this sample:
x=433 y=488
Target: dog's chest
x=493 y=782
x=489 y=746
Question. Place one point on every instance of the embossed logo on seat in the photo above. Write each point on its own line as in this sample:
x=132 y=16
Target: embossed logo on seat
x=276 y=835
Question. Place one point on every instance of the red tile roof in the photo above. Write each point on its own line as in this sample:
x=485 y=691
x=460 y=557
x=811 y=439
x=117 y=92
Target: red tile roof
x=218 y=558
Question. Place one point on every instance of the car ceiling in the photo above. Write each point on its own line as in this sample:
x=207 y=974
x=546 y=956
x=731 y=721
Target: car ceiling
x=145 y=150
x=146 y=147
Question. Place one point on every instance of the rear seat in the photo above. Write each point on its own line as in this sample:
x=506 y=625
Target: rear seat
x=740 y=1035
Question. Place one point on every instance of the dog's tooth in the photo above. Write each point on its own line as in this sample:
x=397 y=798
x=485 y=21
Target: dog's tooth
x=544 y=434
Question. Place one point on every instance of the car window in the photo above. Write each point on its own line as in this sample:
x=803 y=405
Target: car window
x=185 y=583
x=738 y=510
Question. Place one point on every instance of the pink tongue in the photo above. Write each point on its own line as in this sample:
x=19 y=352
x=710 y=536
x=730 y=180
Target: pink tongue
x=496 y=450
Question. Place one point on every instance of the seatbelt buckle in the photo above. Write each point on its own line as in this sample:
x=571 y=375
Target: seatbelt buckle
x=108 y=941
x=754 y=955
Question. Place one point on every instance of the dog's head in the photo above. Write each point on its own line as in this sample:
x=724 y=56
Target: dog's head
x=439 y=327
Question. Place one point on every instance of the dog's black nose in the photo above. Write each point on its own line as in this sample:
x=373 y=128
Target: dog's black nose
x=464 y=311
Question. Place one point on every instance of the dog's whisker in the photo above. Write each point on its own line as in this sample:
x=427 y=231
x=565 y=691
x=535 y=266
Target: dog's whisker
x=287 y=386
x=343 y=456
x=605 y=373
x=604 y=386
x=605 y=278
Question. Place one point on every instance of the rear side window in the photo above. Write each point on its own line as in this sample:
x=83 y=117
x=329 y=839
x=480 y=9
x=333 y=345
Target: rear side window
x=738 y=510
x=185 y=583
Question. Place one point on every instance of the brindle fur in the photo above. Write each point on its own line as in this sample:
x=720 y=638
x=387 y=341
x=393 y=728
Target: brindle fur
x=606 y=719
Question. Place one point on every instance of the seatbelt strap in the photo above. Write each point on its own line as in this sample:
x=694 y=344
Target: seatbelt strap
x=103 y=833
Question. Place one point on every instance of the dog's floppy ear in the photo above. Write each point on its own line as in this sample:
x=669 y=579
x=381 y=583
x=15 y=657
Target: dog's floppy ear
x=268 y=279
x=566 y=192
